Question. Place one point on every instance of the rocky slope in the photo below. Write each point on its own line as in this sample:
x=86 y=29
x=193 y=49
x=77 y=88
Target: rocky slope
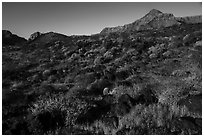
x=143 y=82
x=155 y=19
x=190 y=19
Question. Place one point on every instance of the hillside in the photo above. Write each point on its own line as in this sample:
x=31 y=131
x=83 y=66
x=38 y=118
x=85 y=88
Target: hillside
x=11 y=39
x=155 y=19
x=143 y=78
x=190 y=19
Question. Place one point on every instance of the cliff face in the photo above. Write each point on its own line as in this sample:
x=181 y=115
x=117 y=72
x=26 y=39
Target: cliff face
x=163 y=20
x=155 y=19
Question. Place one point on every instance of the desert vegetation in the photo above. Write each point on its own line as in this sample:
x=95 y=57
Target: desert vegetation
x=122 y=83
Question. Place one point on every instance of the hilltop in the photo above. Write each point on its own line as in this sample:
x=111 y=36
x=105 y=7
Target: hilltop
x=11 y=39
x=155 y=19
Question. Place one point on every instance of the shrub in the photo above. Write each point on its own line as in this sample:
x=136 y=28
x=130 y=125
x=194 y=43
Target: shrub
x=152 y=117
x=48 y=113
x=123 y=72
x=98 y=60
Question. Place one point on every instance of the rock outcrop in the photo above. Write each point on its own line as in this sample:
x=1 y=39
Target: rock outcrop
x=155 y=19
x=190 y=19
x=34 y=36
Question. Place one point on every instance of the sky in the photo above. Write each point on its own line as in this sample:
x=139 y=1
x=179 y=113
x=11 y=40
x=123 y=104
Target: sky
x=87 y=18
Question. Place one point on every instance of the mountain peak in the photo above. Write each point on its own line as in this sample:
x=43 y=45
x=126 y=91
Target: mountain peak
x=155 y=19
x=154 y=12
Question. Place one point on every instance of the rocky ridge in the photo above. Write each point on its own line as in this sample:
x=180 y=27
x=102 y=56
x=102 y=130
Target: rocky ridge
x=155 y=19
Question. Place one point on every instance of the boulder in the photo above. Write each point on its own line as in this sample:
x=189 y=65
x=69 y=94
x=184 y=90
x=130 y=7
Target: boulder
x=198 y=44
x=98 y=86
x=46 y=73
x=34 y=36
x=105 y=91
